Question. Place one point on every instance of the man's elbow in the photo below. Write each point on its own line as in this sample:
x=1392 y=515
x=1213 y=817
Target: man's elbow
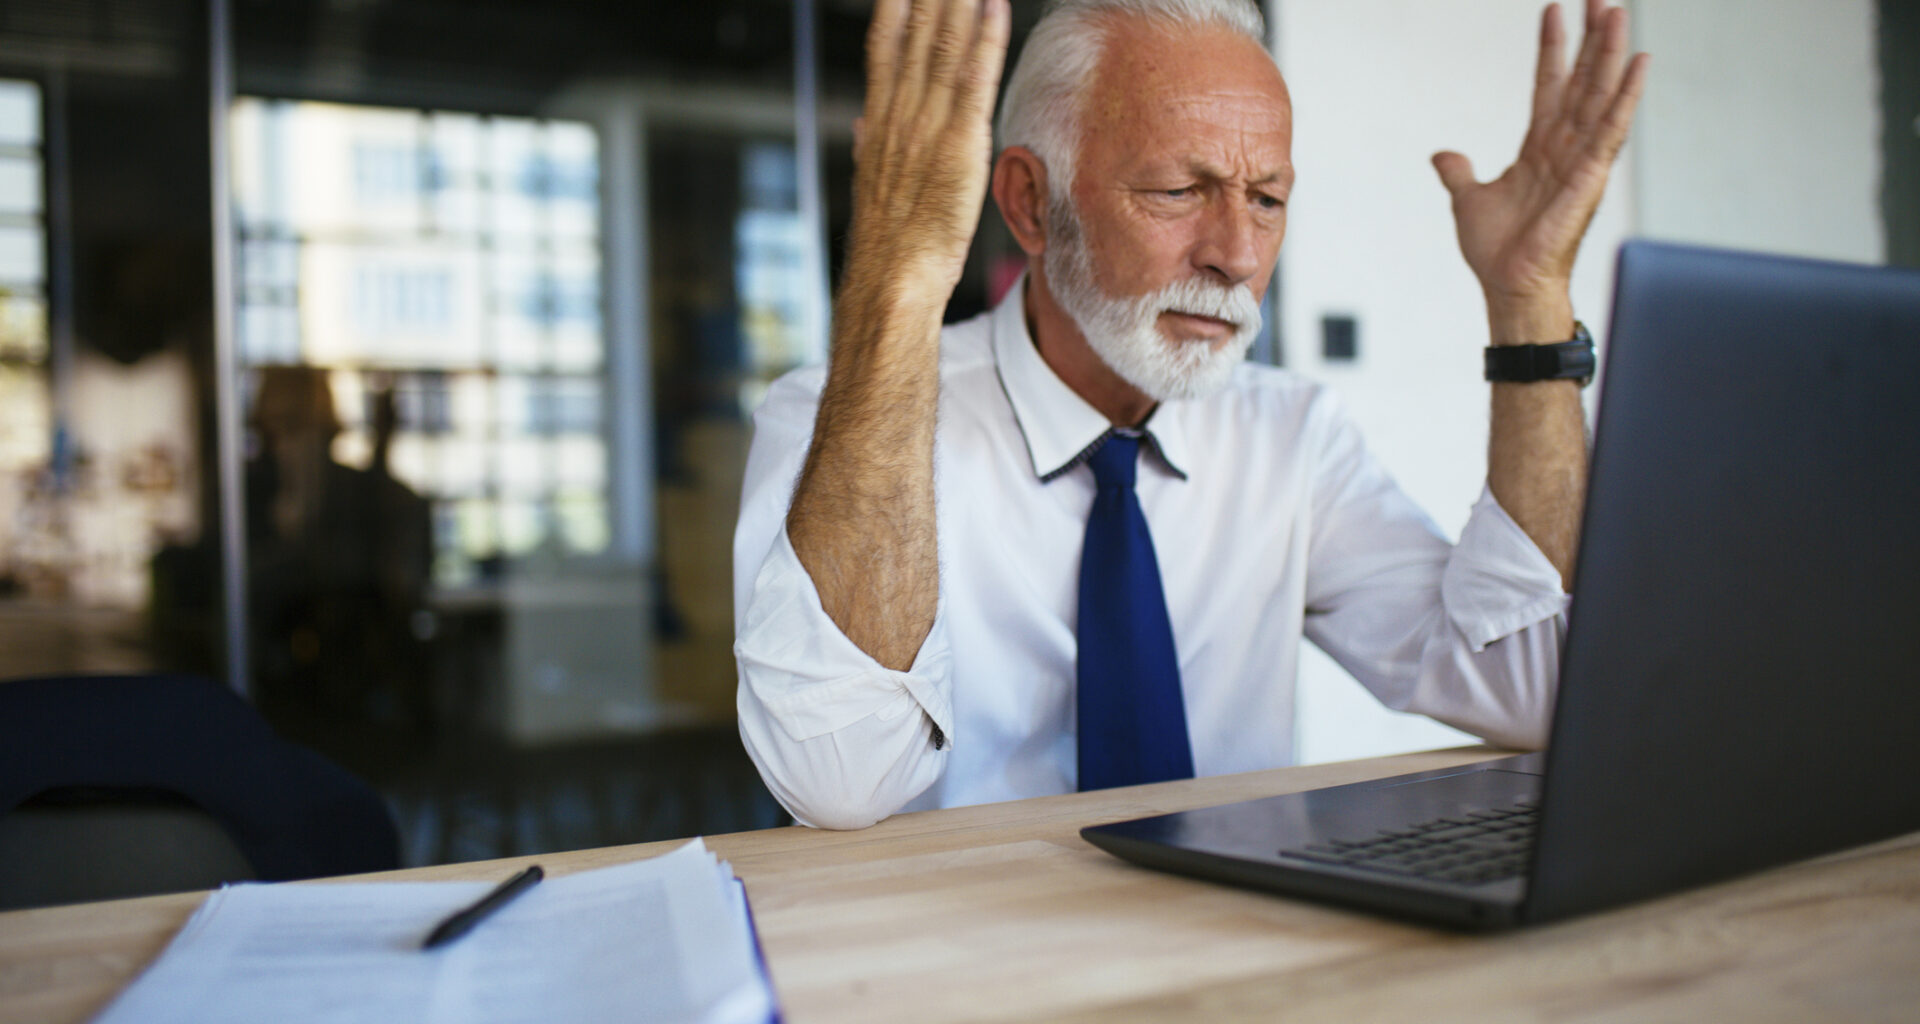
x=835 y=804
x=836 y=817
x=1523 y=722
x=823 y=789
x=1514 y=736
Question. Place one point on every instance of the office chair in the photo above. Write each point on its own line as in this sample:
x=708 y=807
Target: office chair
x=114 y=786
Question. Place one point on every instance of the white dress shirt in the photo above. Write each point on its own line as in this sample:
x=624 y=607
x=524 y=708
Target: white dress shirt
x=1270 y=522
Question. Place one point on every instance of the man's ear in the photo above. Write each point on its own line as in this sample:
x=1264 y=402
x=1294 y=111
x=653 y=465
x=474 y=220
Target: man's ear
x=1020 y=190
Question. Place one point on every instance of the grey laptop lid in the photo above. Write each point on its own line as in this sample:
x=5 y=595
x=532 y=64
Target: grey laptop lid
x=1741 y=683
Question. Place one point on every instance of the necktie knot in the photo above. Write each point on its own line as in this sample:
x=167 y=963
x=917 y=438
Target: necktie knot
x=1113 y=463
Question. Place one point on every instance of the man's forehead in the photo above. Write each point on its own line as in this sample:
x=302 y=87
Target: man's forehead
x=1151 y=71
x=1254 y=111
x=1191 y=101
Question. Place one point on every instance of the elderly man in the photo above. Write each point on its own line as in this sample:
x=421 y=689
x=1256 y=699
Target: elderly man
x=1075 y=542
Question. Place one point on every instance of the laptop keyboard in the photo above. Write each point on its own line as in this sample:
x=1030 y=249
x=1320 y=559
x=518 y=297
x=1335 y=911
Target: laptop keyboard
x=1473 y=849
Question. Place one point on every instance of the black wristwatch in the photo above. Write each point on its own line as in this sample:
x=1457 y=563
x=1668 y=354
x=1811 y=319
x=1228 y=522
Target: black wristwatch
x=1524 y=364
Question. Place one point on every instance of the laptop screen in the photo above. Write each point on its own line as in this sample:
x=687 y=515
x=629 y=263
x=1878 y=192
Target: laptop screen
x=1742 y=674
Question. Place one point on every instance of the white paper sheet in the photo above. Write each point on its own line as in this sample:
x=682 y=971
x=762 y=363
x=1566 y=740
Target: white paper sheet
x=665 y=939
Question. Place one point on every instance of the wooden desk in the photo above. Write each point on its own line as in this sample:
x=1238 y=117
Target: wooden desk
x=1003 y=913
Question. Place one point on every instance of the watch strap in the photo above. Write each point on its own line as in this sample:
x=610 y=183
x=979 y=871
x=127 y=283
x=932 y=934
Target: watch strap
x=1525 y=364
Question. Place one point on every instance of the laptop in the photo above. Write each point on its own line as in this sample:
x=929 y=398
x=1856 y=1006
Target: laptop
x=1740 y=685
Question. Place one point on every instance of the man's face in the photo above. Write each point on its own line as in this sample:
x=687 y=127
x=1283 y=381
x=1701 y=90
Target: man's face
x=1183 y=176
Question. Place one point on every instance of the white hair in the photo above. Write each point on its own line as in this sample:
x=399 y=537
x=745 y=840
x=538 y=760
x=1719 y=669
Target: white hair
x=1041 y=108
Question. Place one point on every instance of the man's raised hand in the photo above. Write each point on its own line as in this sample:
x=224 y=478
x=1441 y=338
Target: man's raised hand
x=933 y=67
x=1520 y=232
x=863 y=520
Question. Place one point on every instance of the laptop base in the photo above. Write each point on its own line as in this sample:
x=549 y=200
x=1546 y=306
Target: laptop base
x=1246 y=843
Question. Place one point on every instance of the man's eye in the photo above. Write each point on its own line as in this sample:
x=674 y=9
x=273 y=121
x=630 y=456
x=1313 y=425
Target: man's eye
x=1179 y=192
x=1271 y=202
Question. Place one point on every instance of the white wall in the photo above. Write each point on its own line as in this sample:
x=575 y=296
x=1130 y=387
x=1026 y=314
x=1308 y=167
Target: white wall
x=1757 y=131
x=1763 y=132
x=1378 y=87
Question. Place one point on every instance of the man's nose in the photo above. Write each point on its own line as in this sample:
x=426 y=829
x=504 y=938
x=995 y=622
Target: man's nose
x=1227 y=246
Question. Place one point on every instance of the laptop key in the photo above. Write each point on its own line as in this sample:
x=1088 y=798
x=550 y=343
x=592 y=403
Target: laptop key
x=1474 y=848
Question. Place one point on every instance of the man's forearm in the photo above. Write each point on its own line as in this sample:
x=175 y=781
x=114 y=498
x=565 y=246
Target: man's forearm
x=1537 y=450
x=862 y=520
x=1520 y=233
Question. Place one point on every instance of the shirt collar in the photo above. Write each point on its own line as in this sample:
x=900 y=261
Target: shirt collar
x=1060 y=428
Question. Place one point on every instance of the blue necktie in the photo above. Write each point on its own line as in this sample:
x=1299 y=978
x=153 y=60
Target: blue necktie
x=1133 y=727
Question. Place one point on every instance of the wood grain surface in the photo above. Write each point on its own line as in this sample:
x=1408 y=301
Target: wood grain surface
x=1002 y=913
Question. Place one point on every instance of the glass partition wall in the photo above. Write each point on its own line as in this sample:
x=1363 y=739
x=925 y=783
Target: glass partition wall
x=441 y=474
x=504 y=277
x=37 y=540
x=107 y=476
x=425 y=366
x=506 y=280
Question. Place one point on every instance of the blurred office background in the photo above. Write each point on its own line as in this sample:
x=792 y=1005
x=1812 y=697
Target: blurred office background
x=392 y=360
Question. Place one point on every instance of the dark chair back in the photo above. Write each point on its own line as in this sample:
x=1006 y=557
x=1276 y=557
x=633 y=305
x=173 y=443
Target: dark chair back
x=124 y=785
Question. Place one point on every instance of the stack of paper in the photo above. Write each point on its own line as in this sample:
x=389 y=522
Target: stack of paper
x=668 y=939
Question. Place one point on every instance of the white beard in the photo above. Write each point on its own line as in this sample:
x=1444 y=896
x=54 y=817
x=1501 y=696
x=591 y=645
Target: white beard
x=1125 y=332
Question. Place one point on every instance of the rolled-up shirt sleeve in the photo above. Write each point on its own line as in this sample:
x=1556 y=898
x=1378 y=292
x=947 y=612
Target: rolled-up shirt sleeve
x=1495 y=668
x=1468 y=633
x=841 y=740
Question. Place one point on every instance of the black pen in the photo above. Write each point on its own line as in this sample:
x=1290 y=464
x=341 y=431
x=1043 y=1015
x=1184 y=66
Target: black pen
x=463 y=921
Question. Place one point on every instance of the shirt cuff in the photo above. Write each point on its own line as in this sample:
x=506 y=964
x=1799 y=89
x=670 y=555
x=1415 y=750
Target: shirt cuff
x=811 y=679
x=1498 y=582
